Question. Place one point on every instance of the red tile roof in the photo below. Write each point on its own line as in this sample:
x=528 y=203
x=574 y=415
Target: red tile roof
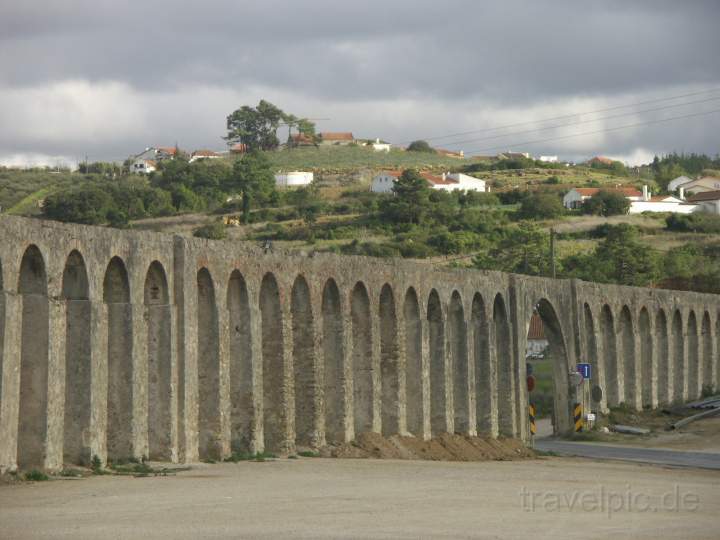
x=628 y=192
x=705 y=196
x=438 y=180
x=167 y=149
x=601 y=159
x=239 y=148
x=337 y=136
x=205 y=153
x=536 y=331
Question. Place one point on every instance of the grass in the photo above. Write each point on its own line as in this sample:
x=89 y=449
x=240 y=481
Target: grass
x=36 y=476
x=236 y=457
x=308 y=453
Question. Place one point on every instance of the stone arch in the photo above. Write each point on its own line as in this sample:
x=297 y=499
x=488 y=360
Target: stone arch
x=663 y=357
x=626 y=358
x=459 y=363
x=556 y=353
x=414 y=394
x=33 y=414
x=273 y=348
x=591 y=348
x=485 y=377
x=707 y=379
x=678 y=356
x=307 y=399
x=333 y=363
x=438 y=369
x=693 y=369
x=646 y=359
x=78 y=381
x=116 y=296
x=389 y=358
x=158 y=318
x=362 y=359
x=607 y=329
x=242 y=409
x=504 y=362
x=208 y=365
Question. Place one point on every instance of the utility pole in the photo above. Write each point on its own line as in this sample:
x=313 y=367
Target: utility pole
x=552 y=253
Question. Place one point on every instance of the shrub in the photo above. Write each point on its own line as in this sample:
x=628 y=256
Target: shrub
x=420 y=146
x=211 y=231
x=541 y=205
x=606 y=203
x=700 y=223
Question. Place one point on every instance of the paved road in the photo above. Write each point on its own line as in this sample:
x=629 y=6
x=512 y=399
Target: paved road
x=674 y=458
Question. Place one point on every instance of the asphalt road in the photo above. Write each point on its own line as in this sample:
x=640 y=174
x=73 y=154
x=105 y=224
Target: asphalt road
x=675 y=458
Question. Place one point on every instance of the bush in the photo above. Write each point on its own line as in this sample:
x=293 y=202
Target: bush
x=420 y=146
x=606 y=203
x=699 y=223
x=211 y=231
x=541 y=205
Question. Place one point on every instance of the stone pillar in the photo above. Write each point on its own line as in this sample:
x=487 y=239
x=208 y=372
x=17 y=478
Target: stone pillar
x=174 y=378
x=98 y=380
x=139 y=381
x=472 y=379
x=375 y=365
x=449 y=371
x=425 y=327
x=287 y=413
x=318 y=437
x=56 y=385
x=10 y=397
x=401 y=369
x=347 y=381
x=257 y=432
x=223 y=444
x=634 y=388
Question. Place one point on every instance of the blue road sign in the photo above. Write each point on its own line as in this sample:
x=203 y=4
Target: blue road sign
x=584 y=370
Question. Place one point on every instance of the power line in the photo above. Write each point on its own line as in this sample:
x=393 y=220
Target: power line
x=606 y=130
x=570 y=124
x=606 y=109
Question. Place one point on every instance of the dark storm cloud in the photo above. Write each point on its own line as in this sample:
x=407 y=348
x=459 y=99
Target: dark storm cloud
x=449 y=56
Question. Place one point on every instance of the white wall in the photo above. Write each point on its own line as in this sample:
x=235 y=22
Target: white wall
x=638 y=207
x=465 y=182
x=295 y=178
x=383 y=183
x=572 y=199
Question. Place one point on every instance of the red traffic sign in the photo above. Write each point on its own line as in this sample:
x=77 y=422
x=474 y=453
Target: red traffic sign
x=531 y=383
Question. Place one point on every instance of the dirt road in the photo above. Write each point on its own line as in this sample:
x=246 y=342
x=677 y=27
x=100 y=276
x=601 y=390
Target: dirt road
x=330 y=498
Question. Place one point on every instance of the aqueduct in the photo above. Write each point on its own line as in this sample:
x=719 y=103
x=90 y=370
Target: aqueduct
x=118 y=343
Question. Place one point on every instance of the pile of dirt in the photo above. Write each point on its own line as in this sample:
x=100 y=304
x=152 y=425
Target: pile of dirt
x=444 y=447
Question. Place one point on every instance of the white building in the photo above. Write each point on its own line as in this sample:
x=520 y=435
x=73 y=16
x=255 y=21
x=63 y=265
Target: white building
x=700 y=185
x=293 y=179
x=707 y=201
x=198 y=155
x=675 y=183
x=549 y=159
x=380 y=146
x=536 y=340
x=157 y=153
x=384 y=182
x=143 y=166
x=661 y=203
x=577 y=196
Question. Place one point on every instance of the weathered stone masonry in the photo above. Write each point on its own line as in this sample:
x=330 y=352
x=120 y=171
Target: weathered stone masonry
x=118 y=344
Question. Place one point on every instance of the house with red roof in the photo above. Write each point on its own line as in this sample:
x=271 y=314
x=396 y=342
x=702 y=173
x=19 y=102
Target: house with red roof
x=198 y=155
x=577 y=196
x=384 y=182
x=339 y=138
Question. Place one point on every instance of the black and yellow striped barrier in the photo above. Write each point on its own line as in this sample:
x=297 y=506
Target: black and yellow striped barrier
x=531 y=415
x=578 y=415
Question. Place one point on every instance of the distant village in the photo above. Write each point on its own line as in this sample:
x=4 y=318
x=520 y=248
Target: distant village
x=688 y=195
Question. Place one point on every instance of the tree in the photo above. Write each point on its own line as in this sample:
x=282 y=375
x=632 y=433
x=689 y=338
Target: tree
x=420 y=146
x=256 y=127
x=523 y=249
x=411 y=200
x=541 y=205
x=606 y=203
x=88 y=205
x=253 y=177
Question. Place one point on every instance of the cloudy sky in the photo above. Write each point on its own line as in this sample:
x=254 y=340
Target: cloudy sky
x=106 y=78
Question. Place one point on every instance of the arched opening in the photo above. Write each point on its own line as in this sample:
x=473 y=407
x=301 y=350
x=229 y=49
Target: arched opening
x=390 y=383
x=32 y=430
x=678 y=367
x=274 y=414
x=646 y=359
x=333 y=359
x=591 y=348
x=413 y=364
x=484 y=370
x=693 y=358
x=707 y=382
x=208 y=362
x=242 y=409
x=547 y=354
x=627 y=357
x=607 y=329
x=438 y=390
x=663 y=357
x=76 y=424
x=503 y=358
x=459 y=363
x=116 y=296
x=362 y=359
x=304 y=366
x=158 y=314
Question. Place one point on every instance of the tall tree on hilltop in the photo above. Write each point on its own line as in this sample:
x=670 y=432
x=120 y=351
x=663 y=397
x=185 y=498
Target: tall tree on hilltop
x=255 y=127
x=253 y=177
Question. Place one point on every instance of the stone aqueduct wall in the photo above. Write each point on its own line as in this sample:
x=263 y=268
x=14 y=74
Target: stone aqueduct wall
x=118 y=344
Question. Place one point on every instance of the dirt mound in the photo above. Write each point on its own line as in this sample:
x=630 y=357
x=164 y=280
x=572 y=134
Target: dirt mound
x=444 y=447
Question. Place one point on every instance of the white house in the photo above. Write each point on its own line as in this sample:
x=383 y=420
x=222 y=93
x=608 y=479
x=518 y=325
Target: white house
x=661 y=203
x=157 y=153
x=700 y=185
x=380 y=146
x=577 y=196
x=293 y=179
x=675 y=183
x=549 y=159
x=143 y=166
x=384 y=182
x=198 y=155
x=707 y=201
